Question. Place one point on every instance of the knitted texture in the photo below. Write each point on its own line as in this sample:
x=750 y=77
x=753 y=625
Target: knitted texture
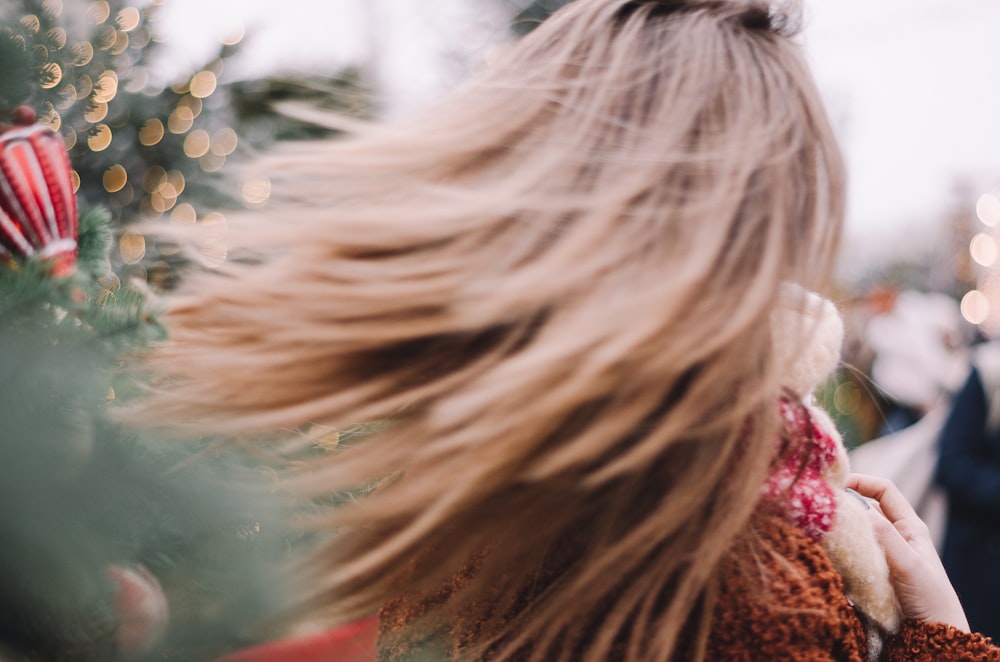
x=934 y=641
x=779 y=600
x=799 y=482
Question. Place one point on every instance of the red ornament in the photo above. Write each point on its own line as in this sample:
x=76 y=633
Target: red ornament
x=38 y=213
x=23 y=115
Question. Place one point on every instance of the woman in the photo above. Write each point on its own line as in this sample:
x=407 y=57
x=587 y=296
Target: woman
x=552 y=292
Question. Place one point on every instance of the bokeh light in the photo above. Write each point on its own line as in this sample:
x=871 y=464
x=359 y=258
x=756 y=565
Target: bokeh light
x=224 y=142
x=53 y=7
x=988 y=209
x=983 y=249
x=197 y=144
x=97 y=113
x=152 y=178
x=84 y=53
x=847 y=398
x=233 y=34
x=203 y=84
x=31 y=23
x=101 y=138
x=115 y=178
x=99 y=12
x=106 y=38
x=211 y=162
x=107 y=87
x=151 y=132
x=132 y=247
x=256 y=192
x=128 y=19
x=58 y=37
x=120 y=44
x=184 y=214
x=975 y=307
x=214 y=252
x=175 y=178
x=53 y=74
x=194 y=104
x=181 y=120
x=84 y=86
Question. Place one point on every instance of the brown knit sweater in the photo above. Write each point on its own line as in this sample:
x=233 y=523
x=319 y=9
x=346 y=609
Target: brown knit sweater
x=801 y=615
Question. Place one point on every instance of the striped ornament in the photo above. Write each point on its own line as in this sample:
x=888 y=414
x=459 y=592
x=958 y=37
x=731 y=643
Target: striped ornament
x=38 y=213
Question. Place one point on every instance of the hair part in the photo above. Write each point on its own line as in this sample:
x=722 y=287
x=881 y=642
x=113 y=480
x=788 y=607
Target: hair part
x=556 y=286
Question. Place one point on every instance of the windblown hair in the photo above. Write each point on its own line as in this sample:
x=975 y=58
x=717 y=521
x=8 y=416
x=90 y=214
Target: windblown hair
x=555 y=287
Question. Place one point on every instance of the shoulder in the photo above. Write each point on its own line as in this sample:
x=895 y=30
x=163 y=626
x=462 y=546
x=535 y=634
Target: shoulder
x=781 y=598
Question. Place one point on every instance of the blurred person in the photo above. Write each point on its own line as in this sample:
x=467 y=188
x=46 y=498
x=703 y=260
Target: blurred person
x=921 y=355
x=968 y=470
x=921 y=358
x=552 y=295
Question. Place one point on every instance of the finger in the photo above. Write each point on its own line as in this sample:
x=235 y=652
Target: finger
x=902 y=558
x=896 y=508
x=892 y=502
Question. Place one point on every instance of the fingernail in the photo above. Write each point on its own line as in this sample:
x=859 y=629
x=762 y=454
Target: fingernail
x=860 y=498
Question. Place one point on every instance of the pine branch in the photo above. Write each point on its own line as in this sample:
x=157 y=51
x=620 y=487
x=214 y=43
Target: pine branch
x=94 y=242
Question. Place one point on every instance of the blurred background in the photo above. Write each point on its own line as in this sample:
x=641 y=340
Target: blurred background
x=157 y=99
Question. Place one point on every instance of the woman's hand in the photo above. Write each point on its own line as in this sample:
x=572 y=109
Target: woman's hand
x=922 y=587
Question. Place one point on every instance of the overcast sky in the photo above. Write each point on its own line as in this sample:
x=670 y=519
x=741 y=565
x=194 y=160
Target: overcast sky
x=913 y=85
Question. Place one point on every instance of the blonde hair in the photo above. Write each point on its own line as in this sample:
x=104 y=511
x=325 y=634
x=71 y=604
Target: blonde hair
x=556 y=286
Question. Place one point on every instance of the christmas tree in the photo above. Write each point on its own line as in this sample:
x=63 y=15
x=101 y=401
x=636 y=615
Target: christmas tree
x=531 y=14
x=116 y=545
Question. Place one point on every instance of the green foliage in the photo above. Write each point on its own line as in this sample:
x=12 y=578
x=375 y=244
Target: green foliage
x=79 y=493
x=531 y=16
x=88 y=308
x=254 y=103
x=17 y=82
x=85 y=68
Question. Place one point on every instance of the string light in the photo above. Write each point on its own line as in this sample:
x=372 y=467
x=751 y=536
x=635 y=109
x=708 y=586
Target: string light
x=847 y=398
x=256 y=192
x=194 y=104
x=197 y=144
x=112 y=138
x=224 y=142
x=152 y=178
x=152 y=132
x=31 y=23
x=234 y=34
x=52 y=75
x=975 y=307
x=211 y=162
x=84 y=53
x=99 y=12
x=53 y=8
x=97 y=114
x=184 y=214
x=57 y=36
x=203 y=84
x=988 y=209
x=181 y=120
x=101 y=139
x=132 y=247
x=983 y=249
x=115 y=178
x=128 y=19
x=107 y=87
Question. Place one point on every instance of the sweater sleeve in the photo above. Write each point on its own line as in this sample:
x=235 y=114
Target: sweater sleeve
x=935 y=642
